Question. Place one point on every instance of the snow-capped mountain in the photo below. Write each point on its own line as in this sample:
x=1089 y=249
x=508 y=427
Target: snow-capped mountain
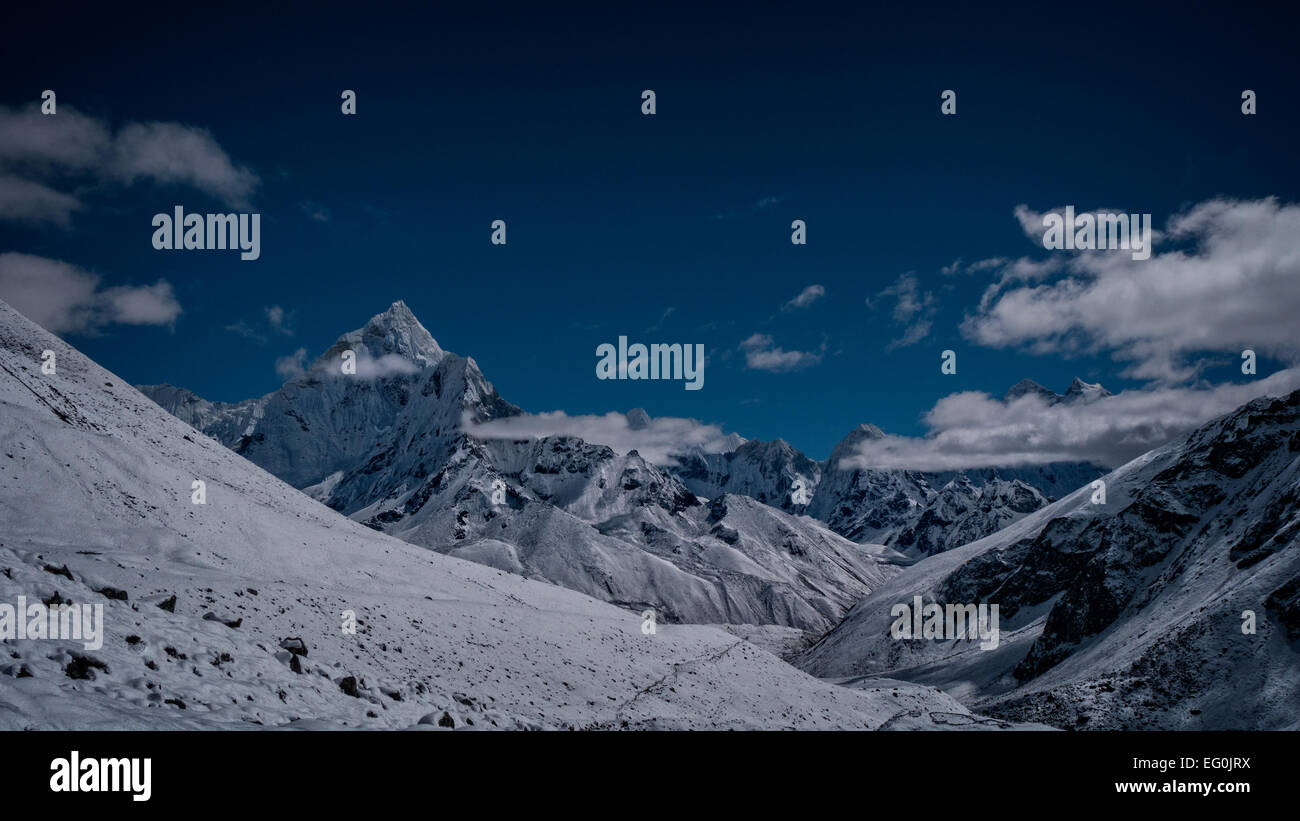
x=233 y=612
x=897 y=508
x=921 y=513
x=405 y=401
x=962 y=512
x=386 y=447
x=1078 y=391
x=774 y=473
x=1173 y=604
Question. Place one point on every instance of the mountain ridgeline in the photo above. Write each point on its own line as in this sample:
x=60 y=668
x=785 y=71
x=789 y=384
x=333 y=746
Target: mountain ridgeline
x=760 y=534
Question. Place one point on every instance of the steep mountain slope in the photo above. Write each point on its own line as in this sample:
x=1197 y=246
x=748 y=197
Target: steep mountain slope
x=961 y=512
x=386 y=447
x=773 y=473
x=1128 y=613
x=618 y=528
x=229 y=613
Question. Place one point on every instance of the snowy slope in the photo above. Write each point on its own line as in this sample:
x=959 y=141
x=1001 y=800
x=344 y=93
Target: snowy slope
x=618 y=528
x=96 y=480
x=1128 y=613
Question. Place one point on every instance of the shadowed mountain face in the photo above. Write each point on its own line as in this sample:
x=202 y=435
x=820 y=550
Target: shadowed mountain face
x=1131 y=612
x=385 y=446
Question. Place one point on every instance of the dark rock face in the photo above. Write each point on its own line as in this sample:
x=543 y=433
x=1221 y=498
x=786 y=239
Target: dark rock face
x=1100 y=567
x=84 y=667
x=1284 y=604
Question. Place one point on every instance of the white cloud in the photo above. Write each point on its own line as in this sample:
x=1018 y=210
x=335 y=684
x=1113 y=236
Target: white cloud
x=39 y=152
x=293 y=365
x=175 y=154
x=972 y=429
x=1225 y=281
x=914 y=309
x=657 y=441
x=275 y=317
x=805 y=298
x=67 y=140
x=762 y=354
x=63 y=298
x=369 y=367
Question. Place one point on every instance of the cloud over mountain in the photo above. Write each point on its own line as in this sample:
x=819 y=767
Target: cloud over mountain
x=656 y=439
x=972 y=429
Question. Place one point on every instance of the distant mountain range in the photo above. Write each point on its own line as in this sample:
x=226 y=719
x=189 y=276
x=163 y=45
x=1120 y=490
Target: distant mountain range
x=760 y=534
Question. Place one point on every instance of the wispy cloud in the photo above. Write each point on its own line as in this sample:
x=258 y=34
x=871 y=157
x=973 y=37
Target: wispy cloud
x=762 y=354
x=277 y=323
x=761 y=204
x=660 y=321
x=293 y=365
x=805 y=298
x=914 y=309
x=315 y=211
x=278 y=320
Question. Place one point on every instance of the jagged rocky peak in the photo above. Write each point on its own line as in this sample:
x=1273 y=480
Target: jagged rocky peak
x=1079 y=391
x=848 y=446
x=1085 y=391
x=1027 y=387
x=395 y=332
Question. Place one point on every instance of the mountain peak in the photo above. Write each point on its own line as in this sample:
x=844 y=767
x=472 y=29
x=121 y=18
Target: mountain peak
x=1079 y=391
x=849 y=444
x=1025 y=387
x=395 y=332
x=638 y=419
x=1086 y=391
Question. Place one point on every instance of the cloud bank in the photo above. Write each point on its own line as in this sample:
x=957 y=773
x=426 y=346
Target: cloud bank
x=656 y=439
x=972 y=429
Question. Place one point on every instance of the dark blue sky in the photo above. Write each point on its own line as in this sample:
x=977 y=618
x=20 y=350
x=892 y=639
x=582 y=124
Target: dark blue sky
x=614 y=217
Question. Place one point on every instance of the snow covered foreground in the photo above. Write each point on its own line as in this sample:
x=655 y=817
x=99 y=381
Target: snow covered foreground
x=95 y=485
